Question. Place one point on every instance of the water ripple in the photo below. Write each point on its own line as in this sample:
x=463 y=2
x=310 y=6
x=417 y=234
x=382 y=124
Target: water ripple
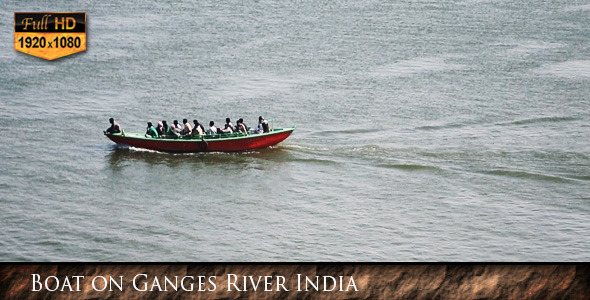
x=527 y=175
x=410 y=167
x=539 y=120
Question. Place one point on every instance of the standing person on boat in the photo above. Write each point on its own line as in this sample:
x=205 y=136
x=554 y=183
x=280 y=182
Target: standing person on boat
x=212 y=128
x=151 y=131
x=115 y=127
x=198 y=129
x=187 y=127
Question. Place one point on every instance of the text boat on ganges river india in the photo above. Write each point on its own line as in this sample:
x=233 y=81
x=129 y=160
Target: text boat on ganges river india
x=226 y=142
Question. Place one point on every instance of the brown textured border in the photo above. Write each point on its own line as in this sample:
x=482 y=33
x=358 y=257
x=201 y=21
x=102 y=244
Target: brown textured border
x=379 y=281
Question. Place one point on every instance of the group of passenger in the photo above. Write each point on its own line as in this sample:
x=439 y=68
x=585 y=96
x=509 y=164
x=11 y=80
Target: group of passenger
x=176 y=130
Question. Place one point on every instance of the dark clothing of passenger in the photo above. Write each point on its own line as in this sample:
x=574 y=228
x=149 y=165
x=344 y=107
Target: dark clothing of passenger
x=167 y=129
x=115 y=128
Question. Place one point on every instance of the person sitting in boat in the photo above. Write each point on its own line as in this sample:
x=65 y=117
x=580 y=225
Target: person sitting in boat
x=187 y=127
x=167 y=129
x=262 y=125
x=198 y=129
x=212 y=128
x=241 y=127
x=228 y=122
x=151 y=131
x=176 y=129
x=115 y=127
x=160 y=129
x=227 y=129
x=245 y=126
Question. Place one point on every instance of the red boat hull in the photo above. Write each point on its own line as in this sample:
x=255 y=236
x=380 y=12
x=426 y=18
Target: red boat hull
x=206 y=144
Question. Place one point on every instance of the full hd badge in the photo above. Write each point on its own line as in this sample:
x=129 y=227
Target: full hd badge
x=49 y=35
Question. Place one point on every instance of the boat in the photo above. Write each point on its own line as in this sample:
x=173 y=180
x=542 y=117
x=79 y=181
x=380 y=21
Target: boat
x=227 y=142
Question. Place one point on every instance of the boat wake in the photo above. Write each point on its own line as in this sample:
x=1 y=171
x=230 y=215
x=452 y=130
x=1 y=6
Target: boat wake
x=526 y=175
x=539 y=120
x=135 y=149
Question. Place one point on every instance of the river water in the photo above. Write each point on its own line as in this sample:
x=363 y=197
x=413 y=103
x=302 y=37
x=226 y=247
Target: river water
x=426 y=131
